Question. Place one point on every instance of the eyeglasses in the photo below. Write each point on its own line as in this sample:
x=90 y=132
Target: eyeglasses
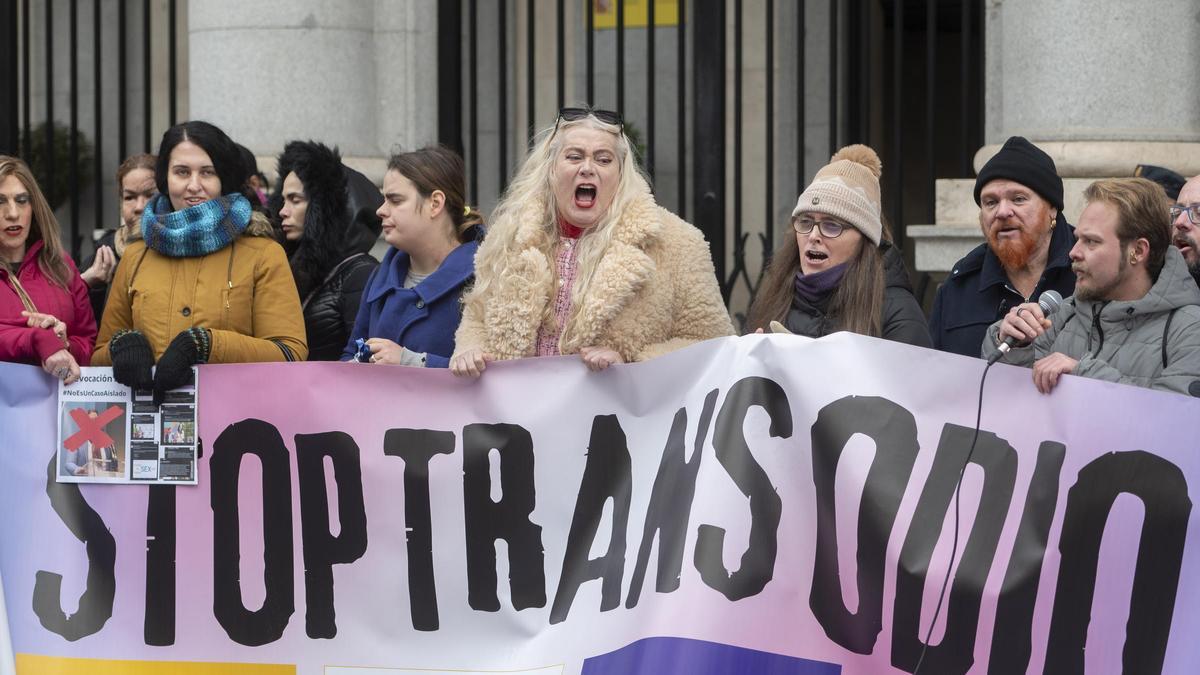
x=830 y=229
x=1193 y=211
x=574 y=114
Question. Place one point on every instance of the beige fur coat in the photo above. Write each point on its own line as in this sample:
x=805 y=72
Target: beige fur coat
x=654 y=291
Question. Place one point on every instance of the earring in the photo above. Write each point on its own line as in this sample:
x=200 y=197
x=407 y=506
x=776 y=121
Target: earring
x=1132 y=259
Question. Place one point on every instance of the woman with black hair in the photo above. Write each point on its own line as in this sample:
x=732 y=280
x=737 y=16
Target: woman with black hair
x=327 y=214
x=208 y=283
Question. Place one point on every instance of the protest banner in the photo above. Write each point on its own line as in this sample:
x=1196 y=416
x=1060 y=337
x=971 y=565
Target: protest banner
x=765 y=503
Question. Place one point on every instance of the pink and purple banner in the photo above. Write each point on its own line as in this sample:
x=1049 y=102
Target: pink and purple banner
x=765 y=504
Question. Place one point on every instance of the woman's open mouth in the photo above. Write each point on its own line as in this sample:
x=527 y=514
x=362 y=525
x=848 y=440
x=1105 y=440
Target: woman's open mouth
x=816 y=256
x=585 y=195
x=13 y=230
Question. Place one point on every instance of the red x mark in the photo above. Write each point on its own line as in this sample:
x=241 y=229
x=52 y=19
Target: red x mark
x=92 y=429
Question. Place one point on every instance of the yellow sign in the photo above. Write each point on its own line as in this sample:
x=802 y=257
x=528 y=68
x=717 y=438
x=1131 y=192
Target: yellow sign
x=31 y=664
x=666 y=13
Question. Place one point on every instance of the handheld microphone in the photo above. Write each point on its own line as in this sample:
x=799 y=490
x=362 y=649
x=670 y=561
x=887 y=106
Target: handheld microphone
x=1049 y=302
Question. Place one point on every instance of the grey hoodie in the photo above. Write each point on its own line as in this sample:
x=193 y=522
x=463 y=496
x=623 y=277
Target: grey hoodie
x=1122 y=341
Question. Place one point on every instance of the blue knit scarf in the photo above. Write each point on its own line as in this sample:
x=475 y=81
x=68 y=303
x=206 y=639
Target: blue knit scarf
x=197 y=230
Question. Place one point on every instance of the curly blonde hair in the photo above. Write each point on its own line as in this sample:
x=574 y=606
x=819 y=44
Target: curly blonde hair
x=530 y=195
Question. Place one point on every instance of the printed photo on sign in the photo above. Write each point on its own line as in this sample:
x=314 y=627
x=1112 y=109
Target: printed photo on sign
x=108 y=433
x=143 y=428
x=93 y=443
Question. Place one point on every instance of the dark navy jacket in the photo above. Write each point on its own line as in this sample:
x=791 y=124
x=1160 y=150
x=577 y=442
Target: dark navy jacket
x=421 y=319
x=977 y=293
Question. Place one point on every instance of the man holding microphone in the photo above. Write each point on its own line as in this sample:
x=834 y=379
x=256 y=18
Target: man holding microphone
x=1135 y=314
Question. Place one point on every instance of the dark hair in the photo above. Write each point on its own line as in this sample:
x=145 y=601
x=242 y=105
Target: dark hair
x=225 y=155
x=857 y=303
x=132 y=163
x=323 y=242
x=437 y=167
x=1142 y=213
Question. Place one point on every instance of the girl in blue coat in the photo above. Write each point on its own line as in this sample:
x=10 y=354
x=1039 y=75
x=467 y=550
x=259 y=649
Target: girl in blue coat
x=410 y=308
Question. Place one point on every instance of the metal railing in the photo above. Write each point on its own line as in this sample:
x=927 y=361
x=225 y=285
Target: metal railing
x=728 y=150
x=837 y=72
x=34 y=124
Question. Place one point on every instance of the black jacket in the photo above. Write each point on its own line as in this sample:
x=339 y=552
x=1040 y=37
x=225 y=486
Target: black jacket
x=330 y=308
x=330 y=262
x=903 y=320
x=977 y=293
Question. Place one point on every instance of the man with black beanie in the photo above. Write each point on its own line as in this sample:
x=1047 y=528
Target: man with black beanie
x=1020 y=198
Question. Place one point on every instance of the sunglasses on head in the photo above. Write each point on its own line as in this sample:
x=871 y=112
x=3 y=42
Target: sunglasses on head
x=574 y=114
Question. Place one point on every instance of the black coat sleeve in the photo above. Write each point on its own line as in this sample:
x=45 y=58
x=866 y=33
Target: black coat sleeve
x=352 y=290
x=903 y=319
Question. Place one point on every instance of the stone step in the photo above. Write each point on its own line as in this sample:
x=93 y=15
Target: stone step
x=937 y=247
x=955 y=200
x=1110 y=158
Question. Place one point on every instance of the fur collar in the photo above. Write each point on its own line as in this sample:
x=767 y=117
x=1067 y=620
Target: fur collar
x=259 y=226
x=525 y=289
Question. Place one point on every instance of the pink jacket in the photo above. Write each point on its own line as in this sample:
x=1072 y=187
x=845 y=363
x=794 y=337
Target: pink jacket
x=22 y=344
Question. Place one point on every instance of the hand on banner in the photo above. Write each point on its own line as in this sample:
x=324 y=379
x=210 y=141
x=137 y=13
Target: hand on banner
x=599 y=358
x=1023 y=323
x=470 y=363
x=385 y=351
x=1047 y=370
x=40 y=320
x=62 y=366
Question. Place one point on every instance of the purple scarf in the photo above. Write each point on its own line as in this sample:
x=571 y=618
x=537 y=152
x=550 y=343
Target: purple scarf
x=813 y=288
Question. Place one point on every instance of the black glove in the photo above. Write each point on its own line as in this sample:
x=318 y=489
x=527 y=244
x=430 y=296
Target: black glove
x=132 y=359
x=175 y=367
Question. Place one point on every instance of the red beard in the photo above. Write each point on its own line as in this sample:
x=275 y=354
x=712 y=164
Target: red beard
x=1013 y=253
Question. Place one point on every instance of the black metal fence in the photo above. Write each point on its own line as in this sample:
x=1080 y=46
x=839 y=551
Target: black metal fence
x=727 y=148
x=80 y=96
x=905 y=77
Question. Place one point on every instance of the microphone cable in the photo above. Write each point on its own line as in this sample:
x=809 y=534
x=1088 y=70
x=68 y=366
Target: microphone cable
x=954 y=545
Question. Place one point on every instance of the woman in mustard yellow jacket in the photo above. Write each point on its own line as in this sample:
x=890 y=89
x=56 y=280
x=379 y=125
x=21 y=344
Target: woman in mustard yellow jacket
x=207 y=284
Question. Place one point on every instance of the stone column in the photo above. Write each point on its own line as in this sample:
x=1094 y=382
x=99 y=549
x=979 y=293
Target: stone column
x=346 y=73
x=1100 y=85
x=406 y=80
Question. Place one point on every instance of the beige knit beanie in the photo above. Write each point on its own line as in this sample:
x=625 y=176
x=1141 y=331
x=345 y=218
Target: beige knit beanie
x=847 y=188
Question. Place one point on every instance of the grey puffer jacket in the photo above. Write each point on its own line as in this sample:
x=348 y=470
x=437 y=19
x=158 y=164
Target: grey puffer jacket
x=1122 y=341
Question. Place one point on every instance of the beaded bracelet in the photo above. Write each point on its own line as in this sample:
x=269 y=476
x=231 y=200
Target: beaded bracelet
x=203 y=341
x=120 y=334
